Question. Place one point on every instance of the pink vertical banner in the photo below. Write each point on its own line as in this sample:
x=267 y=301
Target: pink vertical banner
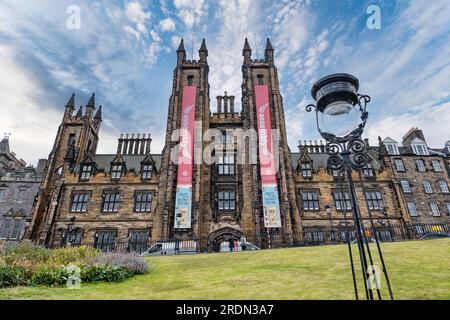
x=271 y=206
x=183 y=202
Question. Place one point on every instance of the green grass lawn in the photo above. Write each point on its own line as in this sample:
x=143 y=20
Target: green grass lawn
x=418 y=270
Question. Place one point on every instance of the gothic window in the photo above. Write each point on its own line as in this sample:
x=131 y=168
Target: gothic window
x=368 y=170
x=226 y=164
x=444 y=186
x=227 y=139
x=2 y=195
x=138 y=241
x=435 y=209
x=147 y=171
x=86 y=171
x=310 y=200
x=10 y=229
x=190 y=80
x=448 y=208
x=399 y=165
x=375 y=200
x=143 y=201
x=412 y=209
x=226 y=200
x=71 y=140
x=116 y=171
x=111 y=202
x=74 y=237
x=427 y=187
x=21 y=195
x=79 y=202
x=420 y=165
x=342 y=202
x=105 y=240
x=436 y=166
x=314 y=236
x=306 y=169
x=260 y=78
x=406 y=187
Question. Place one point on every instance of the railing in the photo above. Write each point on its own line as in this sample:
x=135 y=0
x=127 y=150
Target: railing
x=273 y=239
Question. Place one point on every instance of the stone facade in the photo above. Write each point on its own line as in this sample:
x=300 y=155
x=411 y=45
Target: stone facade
x=130 y=195
x=19 y=185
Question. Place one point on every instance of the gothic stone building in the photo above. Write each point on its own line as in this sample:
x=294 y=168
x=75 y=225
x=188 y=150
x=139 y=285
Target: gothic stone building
x=19 y=185
x=134 y=195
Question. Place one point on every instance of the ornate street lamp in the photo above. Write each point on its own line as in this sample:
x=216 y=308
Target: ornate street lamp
x=341 y=117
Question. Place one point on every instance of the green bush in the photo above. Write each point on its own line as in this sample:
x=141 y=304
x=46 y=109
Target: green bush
x=49 y=277
x=26 y=250
x=12 y=276
x=73 y=255
x=92 y=273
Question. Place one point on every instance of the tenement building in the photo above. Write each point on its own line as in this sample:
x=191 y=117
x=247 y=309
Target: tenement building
x=19 y=185
x=222 y=174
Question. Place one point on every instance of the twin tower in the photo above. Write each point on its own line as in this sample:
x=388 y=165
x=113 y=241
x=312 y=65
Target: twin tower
x=186 y=200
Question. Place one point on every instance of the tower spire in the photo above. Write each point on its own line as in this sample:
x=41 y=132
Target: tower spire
x=269 y=51
x=203 y=52
x=80 y=112
x=70 y=106
x=247 y=52
x=181 y=53
x=90 y=107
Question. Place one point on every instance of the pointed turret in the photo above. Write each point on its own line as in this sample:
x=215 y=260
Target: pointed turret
x=98 y=114
x=70 y=106
x=181 y=53
x=80 y=112
x=203 y=52
x=269 y=51
x=98 y=117
x=247 y=52
x=90 y=107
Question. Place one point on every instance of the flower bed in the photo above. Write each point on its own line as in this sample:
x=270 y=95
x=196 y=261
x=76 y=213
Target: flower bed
x=28 y=264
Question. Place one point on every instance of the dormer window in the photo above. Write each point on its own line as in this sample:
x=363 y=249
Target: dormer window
x=306 y=170
x=147 y=171
x=86 y=171
x=392 y=149
x=116 y=171
x=420 y=149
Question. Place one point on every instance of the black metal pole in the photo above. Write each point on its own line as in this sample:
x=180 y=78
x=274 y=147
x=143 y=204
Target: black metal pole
x=388 y=283
x=359 y=235
x=347 y=238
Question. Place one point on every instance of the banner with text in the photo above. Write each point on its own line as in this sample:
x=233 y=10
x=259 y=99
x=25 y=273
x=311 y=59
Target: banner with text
x=183 y=201
x=271 y=205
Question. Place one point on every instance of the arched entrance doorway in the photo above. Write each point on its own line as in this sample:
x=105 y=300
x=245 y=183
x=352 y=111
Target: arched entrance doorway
x=223 y=237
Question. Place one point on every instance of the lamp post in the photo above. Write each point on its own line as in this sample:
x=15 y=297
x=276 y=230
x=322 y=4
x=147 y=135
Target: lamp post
x=340 y=118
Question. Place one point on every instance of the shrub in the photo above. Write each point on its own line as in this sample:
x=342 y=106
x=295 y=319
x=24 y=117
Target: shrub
x=69 y=255
x=26 y=250
x=129 y=261
x=92 y=273
x=49 y=276
x=12 y=276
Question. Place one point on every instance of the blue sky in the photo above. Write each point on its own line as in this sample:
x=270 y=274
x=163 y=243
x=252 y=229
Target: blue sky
x=125 y=52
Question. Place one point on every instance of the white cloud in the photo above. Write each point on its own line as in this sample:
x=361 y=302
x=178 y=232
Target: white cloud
x=167 y=25
x=136 y=13
x=191 y=12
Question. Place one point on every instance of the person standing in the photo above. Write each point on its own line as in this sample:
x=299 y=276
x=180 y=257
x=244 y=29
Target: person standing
x=231 y=244
x=236 y=245
x=243 y=243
